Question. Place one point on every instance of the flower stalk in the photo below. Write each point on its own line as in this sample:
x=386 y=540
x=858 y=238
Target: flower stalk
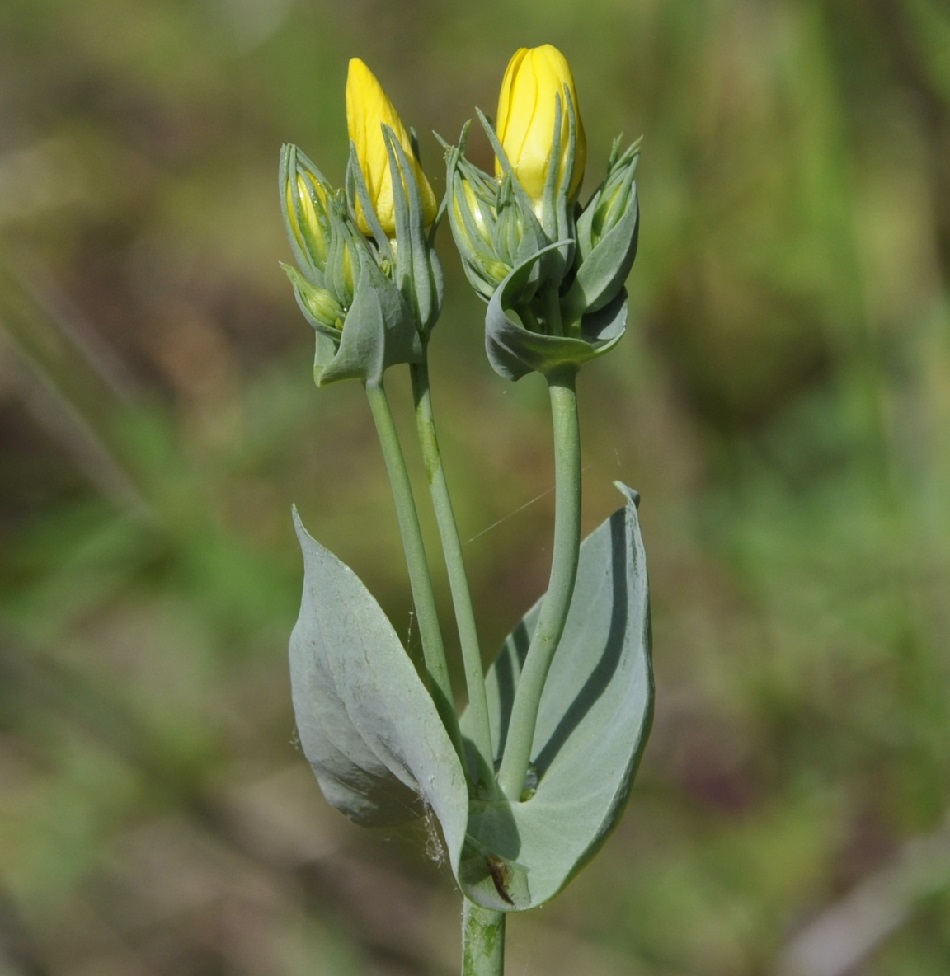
x=556 y=602
x=420 y=580
x=455 y=570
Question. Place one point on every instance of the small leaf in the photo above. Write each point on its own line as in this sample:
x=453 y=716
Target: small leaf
x=367 y=725
x=592 y=726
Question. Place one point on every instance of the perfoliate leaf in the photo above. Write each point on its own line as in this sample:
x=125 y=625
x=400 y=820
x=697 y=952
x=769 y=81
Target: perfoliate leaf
x=593 y=722
x=514 y=350
x=367 y=725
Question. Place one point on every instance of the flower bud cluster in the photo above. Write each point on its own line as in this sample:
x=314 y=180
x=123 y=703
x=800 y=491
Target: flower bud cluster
x=551 y=271
x=367 y=280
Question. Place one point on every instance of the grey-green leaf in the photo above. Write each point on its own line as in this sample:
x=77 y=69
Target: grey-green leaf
x=366 y=723
x=593 y=723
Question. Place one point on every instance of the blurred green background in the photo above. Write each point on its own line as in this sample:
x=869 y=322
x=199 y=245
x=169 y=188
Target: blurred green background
x=782 y=401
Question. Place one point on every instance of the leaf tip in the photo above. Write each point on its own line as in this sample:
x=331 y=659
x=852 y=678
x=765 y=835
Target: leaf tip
x=303 y=536
x=631 y=494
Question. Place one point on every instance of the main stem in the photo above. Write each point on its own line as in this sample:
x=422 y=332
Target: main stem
x=483 y=940
x=455 y=569
x=557 y=600
x=420 y=581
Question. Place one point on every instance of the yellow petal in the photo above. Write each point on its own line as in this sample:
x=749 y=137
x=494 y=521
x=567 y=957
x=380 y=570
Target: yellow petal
x=310 y=233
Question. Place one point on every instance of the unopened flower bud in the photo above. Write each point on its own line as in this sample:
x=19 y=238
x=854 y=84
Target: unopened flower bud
x=368 y=109
x=471 y=210
x=305 y=197
x=607 y=231
x=612 y=201
x=539 y=124
x=320 y=308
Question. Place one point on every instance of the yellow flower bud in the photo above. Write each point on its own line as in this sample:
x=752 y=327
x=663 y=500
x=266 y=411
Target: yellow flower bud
x=474 y=206
x=526 y=119
x=308 y=227
x=367 y=110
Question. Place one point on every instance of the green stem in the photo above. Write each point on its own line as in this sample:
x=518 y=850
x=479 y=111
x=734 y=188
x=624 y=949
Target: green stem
x=419 y=579
x=483 y=940
x=531 y=322
x=552 y=312
x=557 y=599
x=455 y=569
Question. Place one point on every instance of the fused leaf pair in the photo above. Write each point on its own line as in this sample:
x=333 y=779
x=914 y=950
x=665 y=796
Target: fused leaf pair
x=380 y=752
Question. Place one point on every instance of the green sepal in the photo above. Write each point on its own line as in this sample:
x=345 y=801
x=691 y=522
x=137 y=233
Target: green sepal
x=472 y=218
x=603 y=272
x=355 y=189
x=517 y=236
x=593 y=723
x=557 y=208
x=379 y=332
x=601 y=276
x=366 y=723
x=418 y=272
x=514 y=350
